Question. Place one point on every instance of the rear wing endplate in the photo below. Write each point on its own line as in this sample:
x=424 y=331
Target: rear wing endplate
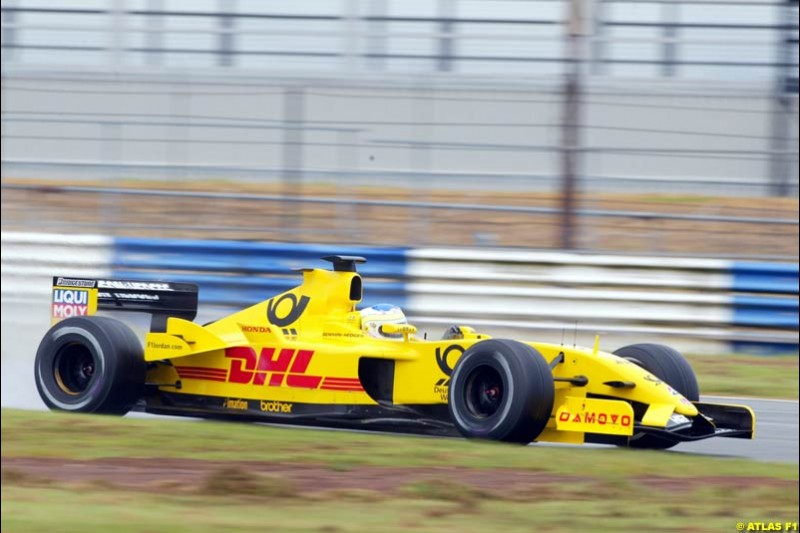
x=84 y=297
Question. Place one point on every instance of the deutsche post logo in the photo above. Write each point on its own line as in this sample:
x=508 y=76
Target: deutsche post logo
x=441 y=358
x=297 y=308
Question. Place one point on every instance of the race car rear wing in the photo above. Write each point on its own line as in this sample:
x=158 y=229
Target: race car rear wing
x=84 y=297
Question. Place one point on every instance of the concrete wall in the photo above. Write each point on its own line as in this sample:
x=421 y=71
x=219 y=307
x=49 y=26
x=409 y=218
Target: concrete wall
x=423 y=132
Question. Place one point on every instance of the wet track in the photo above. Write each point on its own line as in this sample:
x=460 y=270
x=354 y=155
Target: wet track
x=23 y=324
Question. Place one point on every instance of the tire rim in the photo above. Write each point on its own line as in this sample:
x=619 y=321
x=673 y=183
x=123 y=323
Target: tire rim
x=484 y=391
x=74 y=367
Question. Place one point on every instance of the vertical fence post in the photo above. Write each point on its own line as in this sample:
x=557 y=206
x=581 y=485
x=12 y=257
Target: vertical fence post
x=570 y=126
x=154 y=38
x=180 y=108
x=10 y=18
x=780 y=118
x=669 y=52
x=116 y=34
x=447 y=25
x=5 y=102
x=423 y=111
x=9 y=38
x=377 y=30
x=350 y=35
x=598 y=52
x=293 y=117
x=346 y=162
x=112 y=133
x=227 y=22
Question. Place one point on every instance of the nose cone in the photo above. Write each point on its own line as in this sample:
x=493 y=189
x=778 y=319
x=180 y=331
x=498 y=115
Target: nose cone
x=662 y=393
x=651 y=390
x=684 y=406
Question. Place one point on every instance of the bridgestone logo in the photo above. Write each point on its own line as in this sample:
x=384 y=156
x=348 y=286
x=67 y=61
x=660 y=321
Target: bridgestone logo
x=69 y=282
x=134 y=285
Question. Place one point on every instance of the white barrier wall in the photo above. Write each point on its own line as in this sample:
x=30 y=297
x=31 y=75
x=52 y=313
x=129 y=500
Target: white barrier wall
x=30 y=260
x=552 y=295
x=547 y=296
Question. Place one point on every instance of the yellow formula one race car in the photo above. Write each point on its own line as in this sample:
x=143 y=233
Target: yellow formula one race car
x=307 y=356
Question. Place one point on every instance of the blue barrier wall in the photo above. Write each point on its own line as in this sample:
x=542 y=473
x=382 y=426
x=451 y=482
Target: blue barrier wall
x=243 y=273
x=763 y=311
x=765 y=277
x=760 y=303
x=765 y=296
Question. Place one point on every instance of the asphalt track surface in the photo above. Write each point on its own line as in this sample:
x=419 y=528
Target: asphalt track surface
x=23 y=325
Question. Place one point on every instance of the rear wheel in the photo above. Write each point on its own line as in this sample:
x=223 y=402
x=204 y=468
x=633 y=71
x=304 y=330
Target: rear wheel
x=90 y=365
x=501 y=390
x=668 y=365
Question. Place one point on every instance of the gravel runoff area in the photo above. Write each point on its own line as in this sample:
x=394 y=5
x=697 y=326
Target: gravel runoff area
x=47 y=209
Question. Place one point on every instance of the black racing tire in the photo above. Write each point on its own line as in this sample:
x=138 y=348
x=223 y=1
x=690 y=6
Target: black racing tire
x=90 y=365
x=668 y=365
x=501 y=390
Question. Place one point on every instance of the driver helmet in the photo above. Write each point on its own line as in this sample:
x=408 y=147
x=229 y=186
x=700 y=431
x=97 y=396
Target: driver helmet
x=372 y=318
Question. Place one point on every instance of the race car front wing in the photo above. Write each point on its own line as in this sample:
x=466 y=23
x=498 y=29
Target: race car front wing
x=713 y=420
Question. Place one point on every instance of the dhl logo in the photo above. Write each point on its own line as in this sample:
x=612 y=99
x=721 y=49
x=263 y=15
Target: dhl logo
x=272 y=367
x=286 y=364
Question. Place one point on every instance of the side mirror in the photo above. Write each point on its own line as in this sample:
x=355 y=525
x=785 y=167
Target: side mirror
x=393 y=329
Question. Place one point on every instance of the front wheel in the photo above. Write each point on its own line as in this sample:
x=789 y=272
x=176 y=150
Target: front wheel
x=668 y=365
x=501 y=390
x=90 y=365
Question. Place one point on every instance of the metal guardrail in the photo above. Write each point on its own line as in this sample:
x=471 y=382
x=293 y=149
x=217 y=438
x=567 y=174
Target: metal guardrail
x=669 y=297
x=243 y=273
x=752 y=306
x=230 y=273
x=30 y=260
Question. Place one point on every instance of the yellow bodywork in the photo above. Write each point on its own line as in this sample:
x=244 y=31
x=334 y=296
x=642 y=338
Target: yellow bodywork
x=304 y=346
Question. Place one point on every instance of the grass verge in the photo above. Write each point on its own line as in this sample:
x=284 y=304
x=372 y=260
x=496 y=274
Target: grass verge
x=748 y=375
x=575 y=489
x=46 y=434
x=81 y=510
